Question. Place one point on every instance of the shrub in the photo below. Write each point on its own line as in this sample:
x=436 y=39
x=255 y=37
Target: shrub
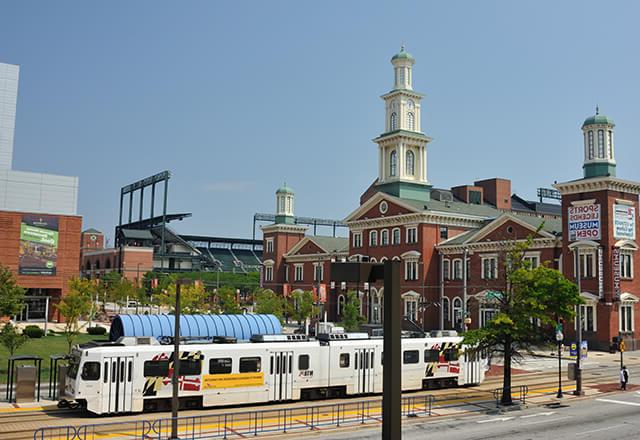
x=33 y=331
x=96 y=331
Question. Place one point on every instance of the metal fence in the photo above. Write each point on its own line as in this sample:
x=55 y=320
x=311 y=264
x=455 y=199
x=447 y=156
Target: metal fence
x=517 y=393
x=242 y=424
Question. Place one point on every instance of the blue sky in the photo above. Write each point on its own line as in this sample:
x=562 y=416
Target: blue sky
x=236 y=97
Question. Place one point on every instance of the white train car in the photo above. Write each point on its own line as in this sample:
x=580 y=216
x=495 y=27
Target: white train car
x=134 y=374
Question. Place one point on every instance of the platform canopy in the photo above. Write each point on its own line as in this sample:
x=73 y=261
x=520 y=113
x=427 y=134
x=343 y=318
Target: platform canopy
x=241 y=327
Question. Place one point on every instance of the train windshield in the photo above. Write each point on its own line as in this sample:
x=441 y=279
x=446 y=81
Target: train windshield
x=74 y=364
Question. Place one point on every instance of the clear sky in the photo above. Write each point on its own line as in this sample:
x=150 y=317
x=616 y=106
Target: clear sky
x=236 y=97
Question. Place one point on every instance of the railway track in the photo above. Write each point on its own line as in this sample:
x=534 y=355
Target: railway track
x=21 y=425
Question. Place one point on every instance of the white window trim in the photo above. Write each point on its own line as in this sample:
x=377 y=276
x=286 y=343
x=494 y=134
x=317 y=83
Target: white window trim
x=411 y=228
x=358 y=236
x=533 y=256
x=446 y=263
x=407 y=264
x=341 y=300
x=447 y=316
x=384 y=232
x=484 y=258
x=453 y=269
x=626 y=304
x=268 y=273
x=295 y=275
x=594 y=264
x=269 y=245
x=393 y=234
x=371 y=235
x=629 y=253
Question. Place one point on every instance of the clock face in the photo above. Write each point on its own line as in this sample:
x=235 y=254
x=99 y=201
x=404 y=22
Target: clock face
x=383 y=207
x=92 y=237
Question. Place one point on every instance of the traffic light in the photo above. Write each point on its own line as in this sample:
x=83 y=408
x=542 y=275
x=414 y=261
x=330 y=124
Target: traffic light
x=621 y=346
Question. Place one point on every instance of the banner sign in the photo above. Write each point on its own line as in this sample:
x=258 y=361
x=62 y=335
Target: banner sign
x=600 y=273
x=615 y=256
x=38 y=245
x=584 y=222
x=624 y=221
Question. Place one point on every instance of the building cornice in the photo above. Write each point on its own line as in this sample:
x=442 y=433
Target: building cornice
x=397 y=135
x=282 y=227
x=429 y=217
x=407 y=92
x=314 y=257
x=598 y=184
x=497 y=246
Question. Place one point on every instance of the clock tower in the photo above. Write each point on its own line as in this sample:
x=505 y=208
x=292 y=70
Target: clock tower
x=402 y=148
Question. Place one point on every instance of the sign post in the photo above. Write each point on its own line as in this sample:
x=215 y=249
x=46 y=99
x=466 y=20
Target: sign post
x=559 y=338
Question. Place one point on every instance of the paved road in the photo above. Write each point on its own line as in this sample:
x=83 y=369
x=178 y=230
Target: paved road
x=612 y=417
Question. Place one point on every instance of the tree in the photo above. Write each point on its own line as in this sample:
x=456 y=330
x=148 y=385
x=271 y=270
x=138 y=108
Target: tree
x=302 y=306
x=193 y=298
x=87 y=289
x=351 y=317
x=530 y=303
x=270 y=303
x=11 y=295
x=72 y=307
x=11 y=339
x=226 y=300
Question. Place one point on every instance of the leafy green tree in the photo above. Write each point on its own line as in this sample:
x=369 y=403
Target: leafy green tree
x=11 y=295
x=11 y=339
x=87 y=289
x=351 y=317
x=530 y=303
x=270 y=303
x=226 y=300
x=301 y=307
x=193 y=298
x=72 y=307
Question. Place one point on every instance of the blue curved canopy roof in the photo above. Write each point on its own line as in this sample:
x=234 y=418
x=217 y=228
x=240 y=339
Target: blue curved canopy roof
x=241 y=327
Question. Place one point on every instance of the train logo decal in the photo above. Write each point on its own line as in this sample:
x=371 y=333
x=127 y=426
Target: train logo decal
x=441 y=364
x=186 y=383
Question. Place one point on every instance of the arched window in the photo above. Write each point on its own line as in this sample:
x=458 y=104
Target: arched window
x=394 y=121
x=457 y=312
x=410 y=163
x=601 y=144
x=590 y=144
x=445 y=310
x=610 y=139
x=395 y=239
x=393 y=163
x=373 y=238
x=410 y=121
x=384 y=237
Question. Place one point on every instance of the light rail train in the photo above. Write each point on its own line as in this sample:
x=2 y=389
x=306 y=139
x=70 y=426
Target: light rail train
x=134 y=374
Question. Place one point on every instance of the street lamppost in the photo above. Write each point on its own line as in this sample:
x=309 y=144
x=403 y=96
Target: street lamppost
x=559 y=338
x=176 y=362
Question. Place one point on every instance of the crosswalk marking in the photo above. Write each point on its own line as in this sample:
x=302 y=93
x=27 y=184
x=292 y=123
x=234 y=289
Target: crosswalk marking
x=621 y=402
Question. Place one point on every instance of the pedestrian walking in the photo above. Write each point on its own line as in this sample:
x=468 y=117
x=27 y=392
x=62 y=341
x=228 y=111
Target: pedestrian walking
x=624 y=378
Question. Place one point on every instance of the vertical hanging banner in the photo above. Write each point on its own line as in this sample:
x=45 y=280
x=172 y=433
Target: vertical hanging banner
x=600 y=273
x=615 y=256
x=624 y=221
x=38 y=245
x=584 y=222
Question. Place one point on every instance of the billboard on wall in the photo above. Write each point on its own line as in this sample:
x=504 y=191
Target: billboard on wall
x=584 y=222
x=38 y=245
x=624 y=221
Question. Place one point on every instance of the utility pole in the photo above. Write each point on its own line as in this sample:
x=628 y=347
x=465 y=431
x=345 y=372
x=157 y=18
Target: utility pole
x=464 y=290
x=175 y=402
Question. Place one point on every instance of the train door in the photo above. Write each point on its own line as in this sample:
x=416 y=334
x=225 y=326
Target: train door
x=281 y=374
x=471 y=367
x=364 y=366
x=117 y=390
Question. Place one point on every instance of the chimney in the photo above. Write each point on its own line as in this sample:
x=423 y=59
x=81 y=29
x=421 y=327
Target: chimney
x=497 y=192
x=469 y=194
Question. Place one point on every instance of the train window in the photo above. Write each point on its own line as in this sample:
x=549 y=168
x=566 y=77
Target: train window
x=451 y=355
x=355 y=361
x=114 y=376
x=106 y=371
x=290 y=363
x=431 y=356
x=121 y=372
x=250 y=365
x=91 y=371
x=271 y=366
x=156 y=368
x=344 y=360
x=189 y=367
x=220 y=366
x=411 y=356
x=130 y=368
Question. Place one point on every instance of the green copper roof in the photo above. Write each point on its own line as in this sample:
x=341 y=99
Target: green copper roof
x=402 y=55
x=284 y=189
x=598 y=119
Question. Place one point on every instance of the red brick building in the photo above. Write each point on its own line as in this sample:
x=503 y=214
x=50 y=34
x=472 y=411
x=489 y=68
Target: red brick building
x=452 y=242
x=43 y=251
